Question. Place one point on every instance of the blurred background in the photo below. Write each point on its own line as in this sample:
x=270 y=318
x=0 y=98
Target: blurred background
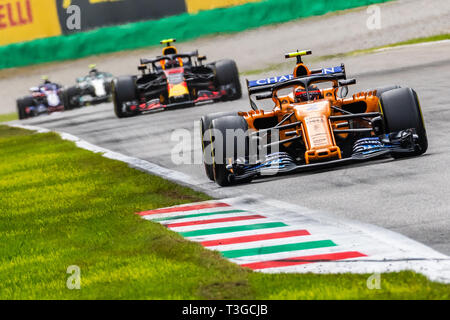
x=60 y=38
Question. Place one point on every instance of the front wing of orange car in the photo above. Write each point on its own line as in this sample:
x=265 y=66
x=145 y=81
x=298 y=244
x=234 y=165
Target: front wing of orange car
x=364 y=149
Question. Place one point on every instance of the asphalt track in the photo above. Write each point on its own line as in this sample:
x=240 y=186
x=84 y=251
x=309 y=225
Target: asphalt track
x=406 y=196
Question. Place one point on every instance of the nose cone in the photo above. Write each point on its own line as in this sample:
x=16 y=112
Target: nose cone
x=178 y=90
x=321 y=108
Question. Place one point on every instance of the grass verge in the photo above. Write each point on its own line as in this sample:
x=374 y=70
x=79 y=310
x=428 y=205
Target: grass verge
x=8 y=117
x=62 y=206
x=277 y=66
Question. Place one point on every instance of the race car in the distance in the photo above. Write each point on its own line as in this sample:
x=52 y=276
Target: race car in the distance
x=175 y=80
x=95 y=88
x=43 y=99
x=313 y=124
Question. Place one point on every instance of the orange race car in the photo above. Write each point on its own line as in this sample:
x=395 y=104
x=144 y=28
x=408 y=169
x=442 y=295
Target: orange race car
x=312 y=124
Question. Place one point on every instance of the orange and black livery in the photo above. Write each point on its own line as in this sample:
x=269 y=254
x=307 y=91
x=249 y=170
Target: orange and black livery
x=312 y=123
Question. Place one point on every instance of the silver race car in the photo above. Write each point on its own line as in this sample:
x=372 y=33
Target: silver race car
x=95 y=88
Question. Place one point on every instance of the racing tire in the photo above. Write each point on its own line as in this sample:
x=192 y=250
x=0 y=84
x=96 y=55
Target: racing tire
x=205 y=124
x=68 y=98
x=108 y=87
x=22 y=104
x=401 y=110
x=218 y=150
x=227 y=74
x=382 y=90
x=123 y=90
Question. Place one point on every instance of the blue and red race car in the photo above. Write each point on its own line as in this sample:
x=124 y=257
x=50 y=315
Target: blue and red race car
x=43 y=99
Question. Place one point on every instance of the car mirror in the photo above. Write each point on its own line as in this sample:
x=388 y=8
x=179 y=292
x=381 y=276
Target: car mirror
x=349 y=82
x=343 y=92
x=264 y=96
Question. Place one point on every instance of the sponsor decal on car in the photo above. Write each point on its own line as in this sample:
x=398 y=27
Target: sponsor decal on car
x=271 y=80
x=278 y=79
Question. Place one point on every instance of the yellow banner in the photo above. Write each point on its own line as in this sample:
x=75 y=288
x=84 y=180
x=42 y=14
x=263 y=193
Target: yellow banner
x=194 y=6
x=67 y=3
x=24 y=20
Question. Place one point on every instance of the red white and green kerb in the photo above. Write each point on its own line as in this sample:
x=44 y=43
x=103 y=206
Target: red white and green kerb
x=250 y=239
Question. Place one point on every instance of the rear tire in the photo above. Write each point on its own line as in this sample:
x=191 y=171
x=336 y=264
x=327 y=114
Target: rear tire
x=205 y=124
x=219 y=152
x=123 y=90
x=22 y=104
x=227 y=74
x=401 y=111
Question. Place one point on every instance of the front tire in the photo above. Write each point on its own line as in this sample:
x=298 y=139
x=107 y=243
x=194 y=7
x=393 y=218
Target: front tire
x=205 y=124
x=123 y=90
x=22 y=104
x=382 y=90
x=220 y=154
x=227 y=74
x=401 y=111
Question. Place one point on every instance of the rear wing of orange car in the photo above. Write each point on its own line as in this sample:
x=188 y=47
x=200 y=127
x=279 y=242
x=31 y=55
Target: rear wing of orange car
x=266 y=91
x=299 y=71
x=267 y=82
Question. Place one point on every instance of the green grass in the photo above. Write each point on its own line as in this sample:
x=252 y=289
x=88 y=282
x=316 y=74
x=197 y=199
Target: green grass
x=63 y=206
x=285 y=64
x=8 y=117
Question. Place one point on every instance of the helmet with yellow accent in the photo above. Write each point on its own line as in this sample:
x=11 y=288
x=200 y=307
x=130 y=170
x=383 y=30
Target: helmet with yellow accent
x=169 y=49
x=46 y=79
x=93 y=72
x=300 y=69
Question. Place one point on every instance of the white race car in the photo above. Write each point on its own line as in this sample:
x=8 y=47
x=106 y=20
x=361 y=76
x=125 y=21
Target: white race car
x=95 y=88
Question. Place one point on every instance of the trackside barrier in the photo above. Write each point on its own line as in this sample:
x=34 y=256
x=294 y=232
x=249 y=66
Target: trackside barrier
x=183 y=27
x=24 y=20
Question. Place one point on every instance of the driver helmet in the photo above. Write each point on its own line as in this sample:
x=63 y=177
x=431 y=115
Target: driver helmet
x=93 y=72
x=173 y=63
x=46 y=80
x=301 y=94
